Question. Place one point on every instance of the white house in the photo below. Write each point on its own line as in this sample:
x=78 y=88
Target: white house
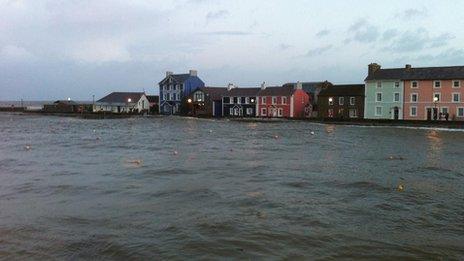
x=123 y=102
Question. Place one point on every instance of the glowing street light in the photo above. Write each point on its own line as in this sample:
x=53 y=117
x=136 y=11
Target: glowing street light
x=129 y=100
x=69 y=99
x=252 y=100
x=435 y=99
x=189 y=100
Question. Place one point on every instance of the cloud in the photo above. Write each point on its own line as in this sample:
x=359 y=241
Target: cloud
x=284 y=47
x=15 y=53
x=389 y=34
x=100 y=51
x=417 y=40
x=412 y=13
x=216 y=15
x=229 y=33
x=323 y=33
x=319 y=50
x=363 y=32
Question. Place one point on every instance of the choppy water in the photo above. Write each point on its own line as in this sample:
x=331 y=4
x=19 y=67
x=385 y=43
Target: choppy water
x=232 y=190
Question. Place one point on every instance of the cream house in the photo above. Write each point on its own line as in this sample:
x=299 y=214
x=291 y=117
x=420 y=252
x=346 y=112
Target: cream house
x=123 y=102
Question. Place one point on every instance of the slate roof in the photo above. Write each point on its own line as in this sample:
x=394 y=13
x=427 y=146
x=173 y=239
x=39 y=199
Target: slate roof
x=153 y=98
x=286 y=90
x=425 y=73
x=178 y=78
x=243 y=92
x=121 y=97
x=309 y=87
x=343 y=90
x=215 y=93
x=66 y=102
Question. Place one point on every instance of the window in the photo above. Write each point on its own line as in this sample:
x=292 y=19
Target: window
x=169 y=97
x=198 y=96
x=353 y=113
x=378 y=111
x=284 y=100
x=456 y=97
x=167 y=87
x=331 y=101
x=280 y=112
x=378 y=97
x=235 y=100
x=247 y=100
x=352 y=100
x=436 y=97
x=274 y=100
x=174 y=87
x=414 y=84
x=396 y=97
x=231 y=111
x=239 y=100
x=181 y=87
x=263 y=111
x=379 y=84
x=249 y=111
x=460 y=112
x=437 y=84
x=397 y=84
x=413 y=111
x=263 y=100
x=341 y=100
x=226 y=100
x=444 y=110
x=242 y=100
x=330 y=113
x=456 y=84
x=414 y=97
x=165 y=96
x=174 y=97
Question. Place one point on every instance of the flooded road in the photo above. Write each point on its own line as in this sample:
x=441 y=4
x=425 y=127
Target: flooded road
x=173 y=188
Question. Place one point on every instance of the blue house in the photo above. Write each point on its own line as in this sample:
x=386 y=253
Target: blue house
x=174 y=88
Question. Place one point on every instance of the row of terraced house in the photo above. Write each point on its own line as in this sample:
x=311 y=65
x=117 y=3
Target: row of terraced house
x=407 y=93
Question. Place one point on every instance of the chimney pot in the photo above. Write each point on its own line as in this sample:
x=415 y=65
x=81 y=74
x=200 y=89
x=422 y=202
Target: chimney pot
x=230 y=86
x=408 y=66
x=193 y=72
x=299 y=85
x=373 y=67
x=263 y=85
x=169 y=73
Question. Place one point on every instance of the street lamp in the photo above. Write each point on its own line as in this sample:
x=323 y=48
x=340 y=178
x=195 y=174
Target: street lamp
x=129 y=100
x=330 y=101
x=435 y=111
x=189 y=100
x=69 y=99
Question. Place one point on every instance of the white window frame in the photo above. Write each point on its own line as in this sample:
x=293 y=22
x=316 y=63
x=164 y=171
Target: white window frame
x=379 y=84
x=341 y=100
x=435 y=86
x=444 y=107
x=459 y=84
x=459 y=97
x=274 y=100
x=352 y=100
x=263 y=112
x=355 y=113
x=412 y=84
x=247 y=100
x=410 y=111
x=249 y=111
x=377 y=97
x=439 y=96
x=381 y=111
x=457 y=112
x=280 y=112
x=231 y=100
x=263 y=100
x=394 y=97
x=284 y=100
x=417 y=97
x=239 y=100
x=231 y=111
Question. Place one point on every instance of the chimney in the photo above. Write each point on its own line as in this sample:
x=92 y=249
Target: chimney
x=193 y=72
x=230 y=86
x=299 y=86
x=169 y=73
x=408 y=67
x=373 y=67
x=263 y=86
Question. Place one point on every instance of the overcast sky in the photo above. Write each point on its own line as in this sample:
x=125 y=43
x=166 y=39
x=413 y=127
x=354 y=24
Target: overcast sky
x=79 y=48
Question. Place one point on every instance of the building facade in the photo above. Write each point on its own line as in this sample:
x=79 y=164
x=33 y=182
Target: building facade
x=312 y=89
x=174 y=89
x=342 y=102
x=384 y=91
x=123 y=102
x=283 y=102
x=239 y=102
x=206 y=102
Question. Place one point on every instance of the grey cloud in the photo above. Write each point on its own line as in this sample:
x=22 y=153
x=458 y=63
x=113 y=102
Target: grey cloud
x=417 y=40
x=389 y=34
x=412 y=13
x=363 y=32
x=284 y=46
x=229 y=33
x=323 y=33
x=216 y=15
x=319 y=50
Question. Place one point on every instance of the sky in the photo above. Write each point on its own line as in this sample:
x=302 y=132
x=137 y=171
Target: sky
x=54 y=49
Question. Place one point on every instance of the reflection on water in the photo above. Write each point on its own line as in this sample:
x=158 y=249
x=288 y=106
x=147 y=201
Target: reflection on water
x=172 y=188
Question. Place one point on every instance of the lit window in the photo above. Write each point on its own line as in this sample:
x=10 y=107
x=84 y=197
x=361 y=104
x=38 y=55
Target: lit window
x=331 y=101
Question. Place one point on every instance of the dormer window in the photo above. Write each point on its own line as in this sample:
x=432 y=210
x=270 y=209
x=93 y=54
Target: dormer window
x=437 y=84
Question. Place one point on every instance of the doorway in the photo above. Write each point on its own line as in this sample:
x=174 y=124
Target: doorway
x=396 y=113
